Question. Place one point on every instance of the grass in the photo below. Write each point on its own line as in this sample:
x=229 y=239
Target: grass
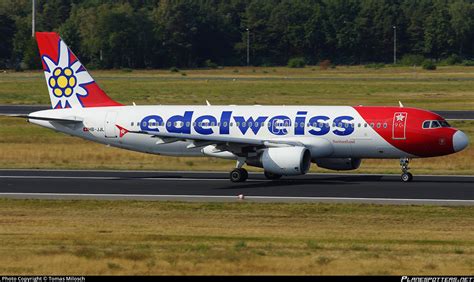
x=26 y=146
x=131 y=237
x=444 y=89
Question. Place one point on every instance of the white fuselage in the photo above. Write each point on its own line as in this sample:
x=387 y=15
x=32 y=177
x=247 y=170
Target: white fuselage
x=335 y=131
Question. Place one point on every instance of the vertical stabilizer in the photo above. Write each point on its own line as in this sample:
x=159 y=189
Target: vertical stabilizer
x=69 y=83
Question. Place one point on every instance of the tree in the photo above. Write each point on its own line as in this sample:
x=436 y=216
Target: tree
x=462 y=24
x=438 y=34
x=187 y=33
x=7 y=31
x=343 y=36
x=287 y=30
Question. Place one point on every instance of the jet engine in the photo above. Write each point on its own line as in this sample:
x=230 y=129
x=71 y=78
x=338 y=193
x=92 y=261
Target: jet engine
x=283 y=160
x=339 y=163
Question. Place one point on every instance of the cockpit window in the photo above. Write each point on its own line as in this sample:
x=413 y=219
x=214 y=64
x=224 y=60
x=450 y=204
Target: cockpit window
x=435 y=124
x=444 y=123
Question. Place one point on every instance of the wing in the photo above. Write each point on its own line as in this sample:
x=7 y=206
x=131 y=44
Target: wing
x=240 y=146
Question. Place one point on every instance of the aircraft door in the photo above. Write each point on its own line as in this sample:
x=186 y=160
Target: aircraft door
x=110 y=129
x=399 y=125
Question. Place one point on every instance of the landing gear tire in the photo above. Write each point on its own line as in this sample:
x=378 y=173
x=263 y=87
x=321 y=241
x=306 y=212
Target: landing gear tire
x=272 y=176
x=238 y=175
x=407 y=177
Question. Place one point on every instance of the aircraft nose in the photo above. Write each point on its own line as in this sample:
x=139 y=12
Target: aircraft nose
x=460 y=141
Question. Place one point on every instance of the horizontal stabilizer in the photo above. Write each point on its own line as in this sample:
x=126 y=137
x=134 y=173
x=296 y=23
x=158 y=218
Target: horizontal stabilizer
x=63 y=120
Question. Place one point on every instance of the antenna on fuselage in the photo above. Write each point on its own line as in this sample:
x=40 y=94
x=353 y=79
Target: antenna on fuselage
x=400 y=103
x=207 y=102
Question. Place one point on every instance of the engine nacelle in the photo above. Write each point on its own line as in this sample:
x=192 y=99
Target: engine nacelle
x=339 y=163
x=283 y=160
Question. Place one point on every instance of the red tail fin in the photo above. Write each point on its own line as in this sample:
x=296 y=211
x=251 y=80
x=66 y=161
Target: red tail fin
x=69 y=83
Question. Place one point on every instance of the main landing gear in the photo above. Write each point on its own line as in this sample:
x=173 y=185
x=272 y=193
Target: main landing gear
x=406 y=176
x=239 y=174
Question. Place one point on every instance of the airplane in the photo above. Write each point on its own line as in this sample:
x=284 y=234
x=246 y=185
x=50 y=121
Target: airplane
x=283 y=140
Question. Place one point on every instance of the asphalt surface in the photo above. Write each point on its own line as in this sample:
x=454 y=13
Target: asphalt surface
x=26 y=109
x=212 y=186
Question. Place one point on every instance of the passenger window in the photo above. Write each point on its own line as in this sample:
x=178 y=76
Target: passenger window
x=365 y=124
x=385 y=125
x=131 y=123
x=372 y=124
x=378 y=124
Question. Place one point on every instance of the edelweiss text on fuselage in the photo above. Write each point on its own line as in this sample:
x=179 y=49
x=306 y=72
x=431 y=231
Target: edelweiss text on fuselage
x=277 y=125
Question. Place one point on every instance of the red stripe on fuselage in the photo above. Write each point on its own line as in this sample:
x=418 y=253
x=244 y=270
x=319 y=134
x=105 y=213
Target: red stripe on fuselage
x=409 y=135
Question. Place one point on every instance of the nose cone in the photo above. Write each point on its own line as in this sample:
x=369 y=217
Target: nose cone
x=460 y=141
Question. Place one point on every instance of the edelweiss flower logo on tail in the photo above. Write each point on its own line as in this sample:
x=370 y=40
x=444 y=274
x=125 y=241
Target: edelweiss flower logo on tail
x=69 y=83
x=66 y=78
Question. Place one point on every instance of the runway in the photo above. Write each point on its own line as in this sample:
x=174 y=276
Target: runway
x=215 y=186
x=26 y=109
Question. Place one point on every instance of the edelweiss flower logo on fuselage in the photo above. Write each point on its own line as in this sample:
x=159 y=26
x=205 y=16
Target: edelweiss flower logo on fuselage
x=66 y=79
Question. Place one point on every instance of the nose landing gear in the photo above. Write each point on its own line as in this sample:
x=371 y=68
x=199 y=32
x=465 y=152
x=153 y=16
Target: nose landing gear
x=406 y=176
